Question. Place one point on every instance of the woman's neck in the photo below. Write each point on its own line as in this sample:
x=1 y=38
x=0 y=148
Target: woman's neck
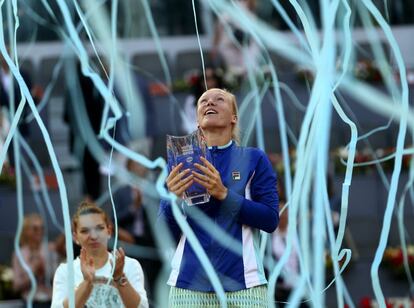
x=217 y=138
x=100 y=259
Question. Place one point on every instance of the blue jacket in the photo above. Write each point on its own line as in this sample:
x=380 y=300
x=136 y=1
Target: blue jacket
x=251 y=205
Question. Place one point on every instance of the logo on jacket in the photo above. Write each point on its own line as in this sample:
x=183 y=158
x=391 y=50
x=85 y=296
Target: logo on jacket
x=235 y=175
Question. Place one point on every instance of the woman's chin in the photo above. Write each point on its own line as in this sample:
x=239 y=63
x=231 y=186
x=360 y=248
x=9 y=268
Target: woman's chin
x=96 y=248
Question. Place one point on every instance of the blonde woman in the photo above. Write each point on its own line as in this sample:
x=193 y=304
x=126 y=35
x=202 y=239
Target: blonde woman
x=244 y=200
x=41 y=259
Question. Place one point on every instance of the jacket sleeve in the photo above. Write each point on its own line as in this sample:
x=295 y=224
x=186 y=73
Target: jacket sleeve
x=165 y=214
x=259 y=208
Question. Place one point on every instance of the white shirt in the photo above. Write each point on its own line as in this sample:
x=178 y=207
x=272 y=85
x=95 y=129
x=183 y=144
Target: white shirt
x=290 y=271
x=6 y=80
x=102 y=295
x=4 y=129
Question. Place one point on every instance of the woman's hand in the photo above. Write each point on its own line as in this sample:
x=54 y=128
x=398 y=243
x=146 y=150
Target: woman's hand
x=210 y=179
x=176 y=182
x=119 y=263
x=87 y=266
x=37 y=264
x=39 y=267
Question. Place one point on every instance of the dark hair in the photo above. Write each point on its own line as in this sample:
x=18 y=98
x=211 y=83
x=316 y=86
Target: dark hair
x=85 y=208
x=199 y=86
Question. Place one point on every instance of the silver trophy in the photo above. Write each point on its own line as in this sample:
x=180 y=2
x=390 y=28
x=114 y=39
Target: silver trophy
x=187 y=150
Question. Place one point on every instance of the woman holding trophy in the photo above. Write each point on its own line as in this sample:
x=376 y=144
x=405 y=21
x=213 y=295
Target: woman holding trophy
x=242 y=199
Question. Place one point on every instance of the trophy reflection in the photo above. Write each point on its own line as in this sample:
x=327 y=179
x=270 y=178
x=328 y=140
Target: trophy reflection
x=187 y=150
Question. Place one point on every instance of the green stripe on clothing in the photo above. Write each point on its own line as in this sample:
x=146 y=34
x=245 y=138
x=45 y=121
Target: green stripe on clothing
x=255 y=297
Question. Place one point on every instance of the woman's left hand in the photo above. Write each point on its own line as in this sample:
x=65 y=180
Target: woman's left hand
x=210 y=179
x=119 y=263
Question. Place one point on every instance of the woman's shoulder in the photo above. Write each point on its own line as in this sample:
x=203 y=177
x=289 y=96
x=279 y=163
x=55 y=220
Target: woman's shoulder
x=255 y=156
x=131 y=261
x=252 y=151
x=132 y=264
x=63 y=267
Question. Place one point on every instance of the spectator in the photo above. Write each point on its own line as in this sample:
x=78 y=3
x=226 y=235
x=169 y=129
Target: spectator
x=95 y=267
x=8 y=86
x=94 y=107
x=233 y=45
x=146 y=142
x=4 y=130
x=40 y=257
x=290 y=271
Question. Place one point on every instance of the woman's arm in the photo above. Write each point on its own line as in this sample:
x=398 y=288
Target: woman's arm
x=82 y=293
x=21 y=281
x=129 y=295
x=60 y=289
x=177 y=182
x=84 y=289
x=36 y=263
x=165 y=214
x=260 y=208
x=130 y=285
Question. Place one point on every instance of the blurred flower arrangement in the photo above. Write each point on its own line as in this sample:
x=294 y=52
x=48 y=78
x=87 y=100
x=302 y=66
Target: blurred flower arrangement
x=340 y=155
x=185 y=84
x=7 y=176
x=192 y=78
x=158 y=89
x=367 y=70
x=394 y=260
x=276 y=159
x=6 y=283
x=396 y=302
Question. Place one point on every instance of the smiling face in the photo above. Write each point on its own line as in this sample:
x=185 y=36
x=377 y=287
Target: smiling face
x=92 y=233
x=215 y=110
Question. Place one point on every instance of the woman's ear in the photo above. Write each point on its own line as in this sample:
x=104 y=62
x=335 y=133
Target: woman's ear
x=234 y=119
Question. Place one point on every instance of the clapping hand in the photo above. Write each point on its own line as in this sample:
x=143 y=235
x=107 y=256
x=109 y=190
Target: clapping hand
x=119 y=263
x=87 y=266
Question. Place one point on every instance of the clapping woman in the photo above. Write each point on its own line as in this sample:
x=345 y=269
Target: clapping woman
x=94 y=267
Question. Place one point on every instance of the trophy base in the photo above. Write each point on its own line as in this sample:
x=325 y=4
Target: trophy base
x=197 y=199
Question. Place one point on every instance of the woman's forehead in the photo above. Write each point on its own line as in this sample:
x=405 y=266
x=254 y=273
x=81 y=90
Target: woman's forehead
x=214 y=91
x=91 y=219
x=35 y=220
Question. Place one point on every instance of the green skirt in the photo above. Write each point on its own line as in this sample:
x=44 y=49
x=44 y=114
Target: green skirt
x=249 y=298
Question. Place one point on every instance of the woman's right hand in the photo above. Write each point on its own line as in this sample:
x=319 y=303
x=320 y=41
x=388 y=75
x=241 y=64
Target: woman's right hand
x=87 y=266
x=177 y=182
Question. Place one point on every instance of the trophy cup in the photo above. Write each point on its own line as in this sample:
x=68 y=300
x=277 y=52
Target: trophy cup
x=187 y=150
